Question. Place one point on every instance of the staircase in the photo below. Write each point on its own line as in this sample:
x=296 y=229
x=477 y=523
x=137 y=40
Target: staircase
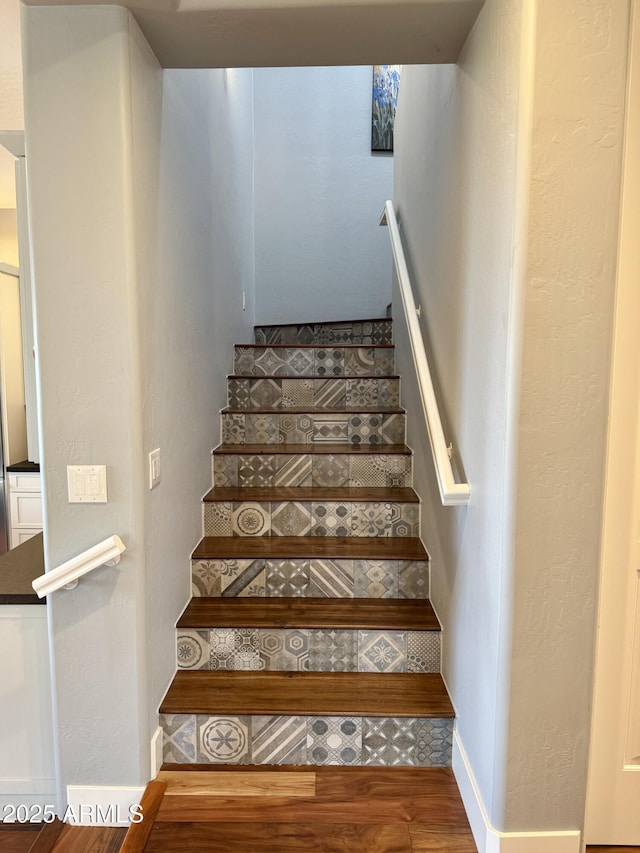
x=310 y=639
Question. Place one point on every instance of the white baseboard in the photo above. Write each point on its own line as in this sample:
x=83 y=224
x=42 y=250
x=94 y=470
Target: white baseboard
x=156 y=753
x=490 y=840
x=102 y=805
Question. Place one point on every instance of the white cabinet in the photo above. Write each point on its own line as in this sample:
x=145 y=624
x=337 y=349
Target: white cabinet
x=25 y=506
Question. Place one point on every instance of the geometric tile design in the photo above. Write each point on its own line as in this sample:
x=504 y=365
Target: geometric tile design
x=365 y=429
x=224 y=740
x=251 y=519
x=299 y=362
x=297 y=393
x=269 y=362
x=329 y=361
x=206 y=578
x=225 y=470
x=293 y=470
x=256 y=470
x=359 y=361
x=265 y=393
x=409 y=742
x=333 y=650
x=284 y=650
x=413 y=579
x=238 y=393
x=217 y=518
x=262 y=429
x=389 y=393
x=193 y=649
x=234 y=649
x=178 y=738
x=314 y=361
x=330 y=470
x=384 y=361
x=423 y=651
x=243 y=578
x=372 y=332
x=279 y=740
x=380 y=470
x=290 y=519
x=371 y=519
x=362 y=392
x=403 y=520
x=312 y=427
x=287 y=578
x=233 y=429
x=281 y=392
x=334 y=740
x=331 y=428
x=331 y=519
x=296 y=429
x=328 y=393
x=382 y=651
x=331 y=578
x=243 y=360
x=375 y=579
x=393 y=429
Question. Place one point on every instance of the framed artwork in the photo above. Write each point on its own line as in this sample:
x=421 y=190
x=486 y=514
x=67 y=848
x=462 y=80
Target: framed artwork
x=386 y=83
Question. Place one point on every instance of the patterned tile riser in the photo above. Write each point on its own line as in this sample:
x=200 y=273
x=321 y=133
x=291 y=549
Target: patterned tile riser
x=302 y=469
x=315 y=741
x=313 y=428
x=303 y=518
x=257 y=392
x=367 y=333
x=319 y=361
x=307 y=650
x=310 y=578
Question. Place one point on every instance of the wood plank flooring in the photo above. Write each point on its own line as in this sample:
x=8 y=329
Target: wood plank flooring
x=291 y=547
x=340 y=694
x=382 y=613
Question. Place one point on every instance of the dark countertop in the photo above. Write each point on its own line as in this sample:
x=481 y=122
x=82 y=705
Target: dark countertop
x=18 y=567
x=25 y=467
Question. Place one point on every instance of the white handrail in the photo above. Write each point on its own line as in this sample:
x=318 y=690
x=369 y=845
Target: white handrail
x=451 y=492
x=106 y=553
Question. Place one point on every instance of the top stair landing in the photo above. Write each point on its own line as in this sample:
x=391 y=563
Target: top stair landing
x=368 y=332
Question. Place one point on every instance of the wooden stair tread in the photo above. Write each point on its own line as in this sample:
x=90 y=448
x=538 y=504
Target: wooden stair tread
x=379 y=613
x=292 y=547
x=317 y=494
x=314 y=346
x=349 y=322
x=367 y=694
x=313 y=375
x=313 y=449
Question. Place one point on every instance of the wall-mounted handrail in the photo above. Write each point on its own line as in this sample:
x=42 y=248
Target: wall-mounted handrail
x=451 y=492
x=66 y=576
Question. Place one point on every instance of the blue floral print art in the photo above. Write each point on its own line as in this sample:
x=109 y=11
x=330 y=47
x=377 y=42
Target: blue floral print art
x=386 y=83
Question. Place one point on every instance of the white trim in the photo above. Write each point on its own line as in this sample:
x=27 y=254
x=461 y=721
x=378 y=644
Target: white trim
x=105 y=553
x=489 y=839
x=451 y=492
x=156 y=752
x=89 y=804
x=9 y=269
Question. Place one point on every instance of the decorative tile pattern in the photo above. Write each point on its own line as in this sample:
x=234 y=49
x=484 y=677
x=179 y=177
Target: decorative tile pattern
x=413 y=579
x=262 y=429
x=328 y=393
x=251 y=519
x=365 y=429
x=334 y=740
x=257 y=470
x=297 y=393
x=384 y=361
x=243 y=579
x=361 y=392
x=265 y=394
x=369 y=333
x=224 y=740
x=284 y=650
x=389 y=392
x=193 y=649
x=238 y=393
x=243 y=361
x=423 y=651
x=295 y=470
x=371 y=519
x=206 y=578
x=279 y=740
x=380 y=470
x=235 y=649
x=329 y=361
x=331 y=428
x=300 y=362
x=375 y=578
x=404 y=520
x=287 y=578
x=225 y=470
x=233 y=429
x=382 y=651
x=217 y=518
x=393 y=429
x=178 y=738
x=269 y=362
x=332 y=650
x=359 y=361
x=296 y=429
x=331 y=519
x=331 y=579
x=414 y=742
x=330 y=470
x=291 y=518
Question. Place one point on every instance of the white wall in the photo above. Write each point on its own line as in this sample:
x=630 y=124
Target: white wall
x=136 y=308
x=9 y=235
x=514 y=573
x=319 y=193
x=14 y=428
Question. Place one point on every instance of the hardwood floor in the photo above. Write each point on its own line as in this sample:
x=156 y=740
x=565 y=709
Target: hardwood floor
x=293 y=547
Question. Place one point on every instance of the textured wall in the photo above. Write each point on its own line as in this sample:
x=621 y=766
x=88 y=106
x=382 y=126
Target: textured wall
x=319 y=193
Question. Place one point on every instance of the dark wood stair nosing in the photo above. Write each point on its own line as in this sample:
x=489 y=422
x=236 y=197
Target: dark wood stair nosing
x=314 y=346
x=317 y=449
x=315 y=494
x=322 y=323
x=302 y=547
x=313 y=376
x=315 y=410
x=384 y=614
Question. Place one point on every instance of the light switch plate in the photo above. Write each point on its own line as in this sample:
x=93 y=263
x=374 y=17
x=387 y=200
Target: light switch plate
x=87 y=484
x=154 y=468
